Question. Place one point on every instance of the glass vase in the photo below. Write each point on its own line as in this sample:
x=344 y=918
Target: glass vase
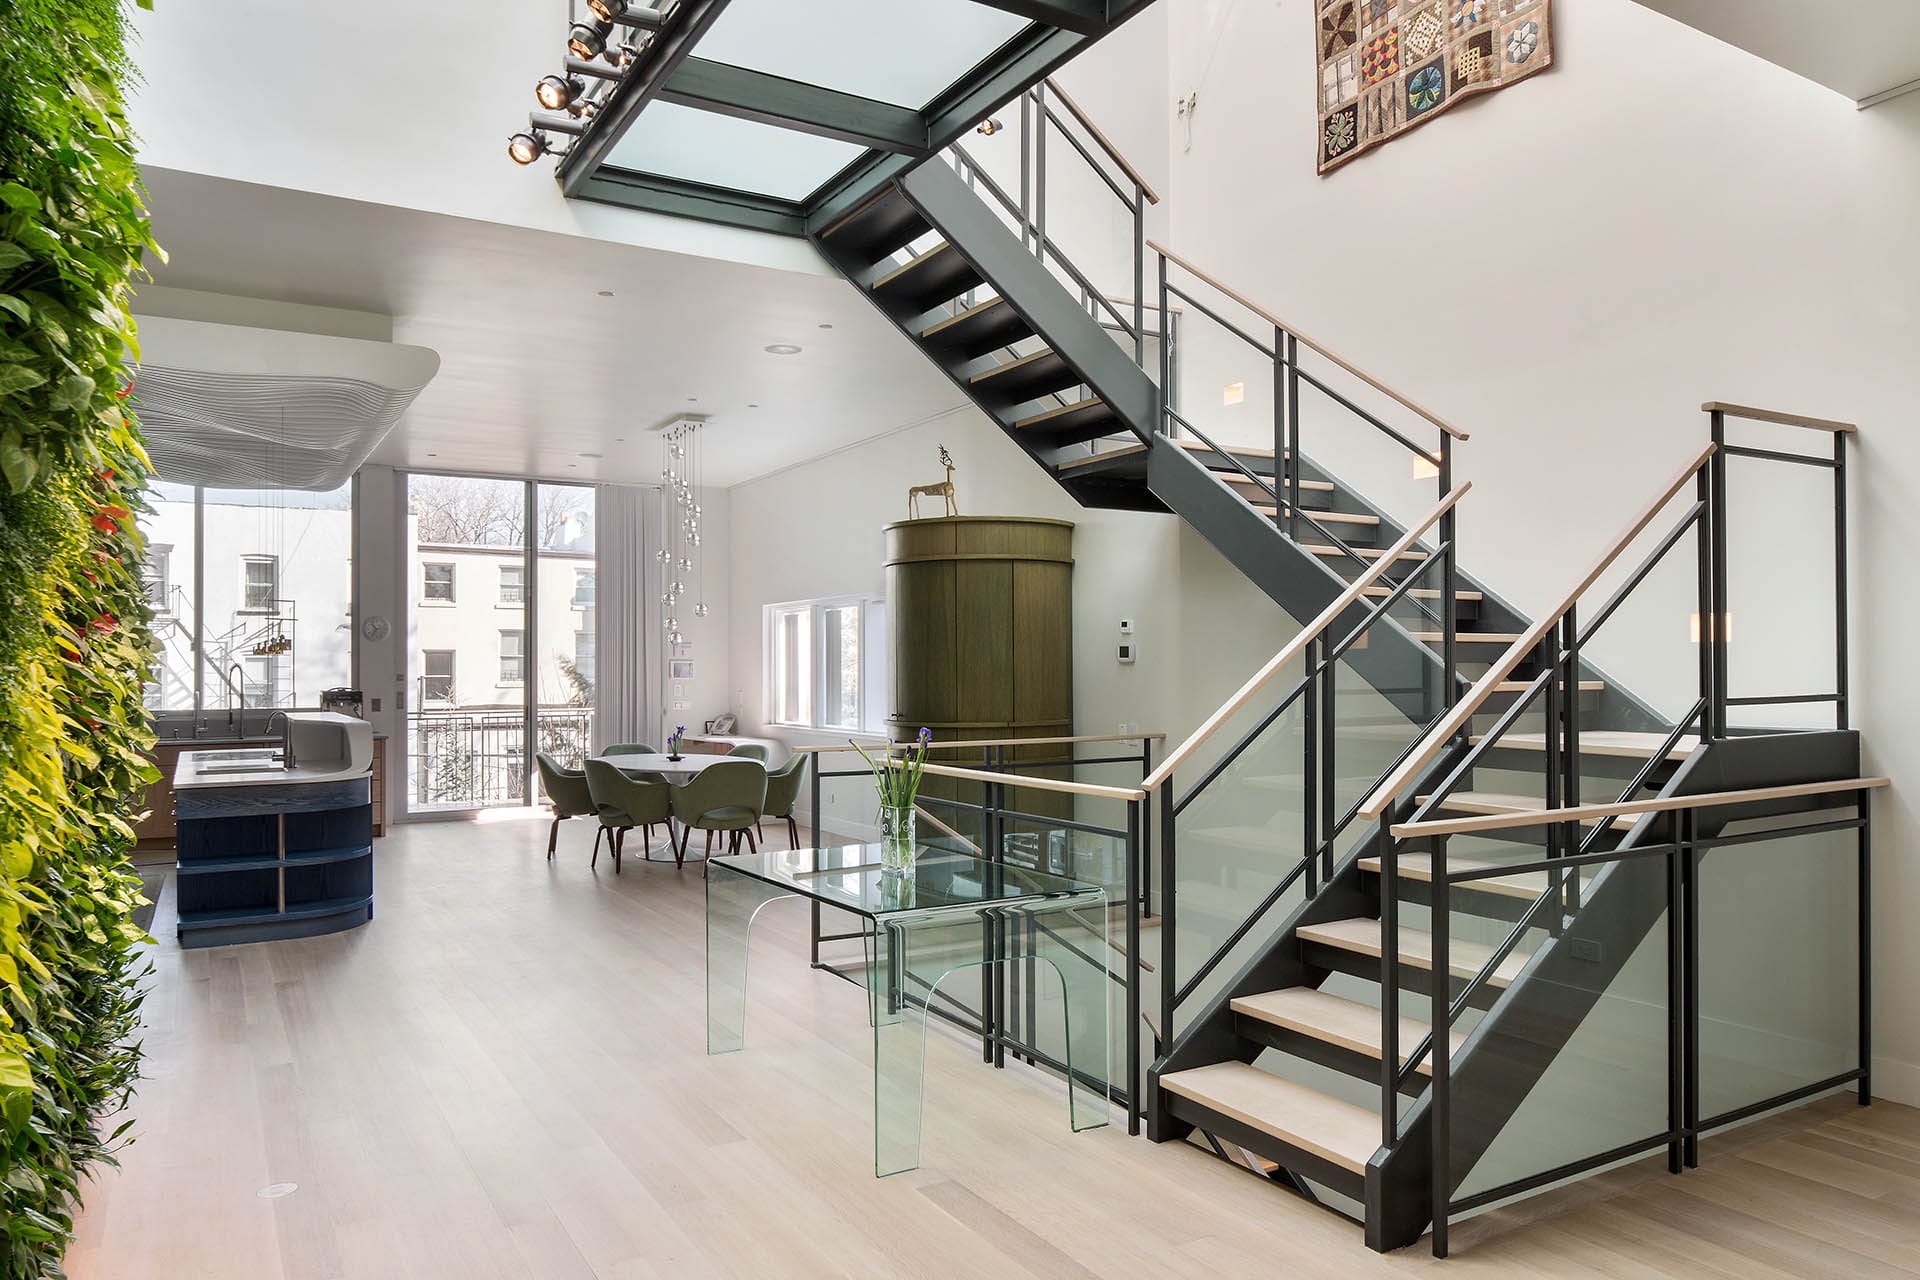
x=897 y=846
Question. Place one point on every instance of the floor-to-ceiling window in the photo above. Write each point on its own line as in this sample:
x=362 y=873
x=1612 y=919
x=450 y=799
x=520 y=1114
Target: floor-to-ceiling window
x=500 y=637
x=252 y=591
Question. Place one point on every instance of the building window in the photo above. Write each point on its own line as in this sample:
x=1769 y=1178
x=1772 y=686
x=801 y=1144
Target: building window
x=160 y=579
x=436 y=675
x=513 y=585
x=436 y=583
x=825 y=664
x=583 y=588
x=513 y=657
x=260 y=587
x=583 y=643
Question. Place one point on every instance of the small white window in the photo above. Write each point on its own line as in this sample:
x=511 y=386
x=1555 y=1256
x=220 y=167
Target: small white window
x=436 y=583
x=583 y=588
x=513 y=584
x=159 y=573
x=260 y=585
x=436 y=667
x=513 y=657
x=826 y=664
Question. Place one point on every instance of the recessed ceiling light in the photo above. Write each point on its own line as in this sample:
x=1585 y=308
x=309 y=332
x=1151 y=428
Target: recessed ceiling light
x=606 y=293
x=783 y=349
x=433 y=455
x=693 y=399
x=826 y=326
x=753 y=406
x=573 y=464
x=589 y=455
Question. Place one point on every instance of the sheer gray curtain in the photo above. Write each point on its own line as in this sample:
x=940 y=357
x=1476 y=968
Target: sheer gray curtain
x=629 y=646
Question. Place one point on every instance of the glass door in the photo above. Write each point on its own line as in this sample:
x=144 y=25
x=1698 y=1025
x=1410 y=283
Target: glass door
x=467 y=584
x=563 y=652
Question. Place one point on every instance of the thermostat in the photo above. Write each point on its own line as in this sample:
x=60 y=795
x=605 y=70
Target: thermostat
x=1126 y=651
x=1126 y=626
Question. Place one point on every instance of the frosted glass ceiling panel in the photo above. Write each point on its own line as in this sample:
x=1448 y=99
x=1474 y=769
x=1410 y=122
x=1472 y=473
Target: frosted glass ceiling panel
x=901 y=51
x=720 y=151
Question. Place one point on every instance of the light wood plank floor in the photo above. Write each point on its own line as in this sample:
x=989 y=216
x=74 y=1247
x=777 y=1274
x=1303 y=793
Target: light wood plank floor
x=504 y=1076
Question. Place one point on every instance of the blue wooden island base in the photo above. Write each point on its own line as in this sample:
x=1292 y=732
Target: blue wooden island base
x=276 y=843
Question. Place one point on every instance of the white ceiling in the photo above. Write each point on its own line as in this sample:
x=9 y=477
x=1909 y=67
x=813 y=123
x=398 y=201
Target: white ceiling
x=1861 y=48
x=536 y=368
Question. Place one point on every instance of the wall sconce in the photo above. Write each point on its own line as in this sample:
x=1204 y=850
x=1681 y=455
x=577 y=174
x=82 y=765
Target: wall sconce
x=1233 y=393
x=1425 y=466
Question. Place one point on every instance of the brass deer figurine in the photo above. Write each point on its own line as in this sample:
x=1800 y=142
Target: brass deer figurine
x=941 y=490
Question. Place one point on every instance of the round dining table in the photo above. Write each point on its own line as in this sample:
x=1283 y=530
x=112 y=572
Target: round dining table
x=675 y=771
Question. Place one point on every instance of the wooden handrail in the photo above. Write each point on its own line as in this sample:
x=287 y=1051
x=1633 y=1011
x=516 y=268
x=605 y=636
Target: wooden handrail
x=1024 y=782
x=1294 y=647
x=1307 y=342
x=1774 y=415
x=1451 y=724
x=938 y=745
x=1113 y=152
x=1659 y=804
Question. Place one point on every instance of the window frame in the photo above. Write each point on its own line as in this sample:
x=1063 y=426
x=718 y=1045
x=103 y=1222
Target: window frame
x=453 y=584
x=426 y=676
x=502 y=601
x=871 y=681
x=247 y=564
x=519 y=635
x=590 y=577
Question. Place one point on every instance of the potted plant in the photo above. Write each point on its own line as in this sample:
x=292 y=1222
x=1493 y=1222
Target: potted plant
x=896 y=779
x=673 y=741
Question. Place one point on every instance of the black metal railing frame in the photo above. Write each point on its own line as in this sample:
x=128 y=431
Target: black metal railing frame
x=1007 y=1001
x=1567 y=851
x=1323 y=821
x=1682 y=849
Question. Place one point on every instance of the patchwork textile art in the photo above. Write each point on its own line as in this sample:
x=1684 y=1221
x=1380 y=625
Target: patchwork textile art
x=1387 y=65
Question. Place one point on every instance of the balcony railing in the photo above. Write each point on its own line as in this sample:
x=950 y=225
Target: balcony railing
x=477 y=758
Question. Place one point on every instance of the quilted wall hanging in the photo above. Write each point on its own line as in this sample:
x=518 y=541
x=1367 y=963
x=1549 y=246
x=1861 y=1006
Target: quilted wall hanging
x=1388 y=65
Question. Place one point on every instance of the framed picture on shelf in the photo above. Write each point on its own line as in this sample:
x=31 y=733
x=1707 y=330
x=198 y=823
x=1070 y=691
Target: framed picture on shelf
x=721 y=723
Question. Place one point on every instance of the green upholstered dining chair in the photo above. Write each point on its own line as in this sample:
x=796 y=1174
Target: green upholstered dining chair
x=625 y=801
x=751 y=751
x=725 y=796
x=631 y=749
x=568 y=794
x=783 y=792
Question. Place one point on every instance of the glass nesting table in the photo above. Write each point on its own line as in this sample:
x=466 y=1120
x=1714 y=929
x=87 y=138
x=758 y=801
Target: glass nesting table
x=952 y=912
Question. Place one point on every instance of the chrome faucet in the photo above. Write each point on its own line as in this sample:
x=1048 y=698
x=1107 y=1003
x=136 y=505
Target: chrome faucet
x=241 y=689
x=286 y=743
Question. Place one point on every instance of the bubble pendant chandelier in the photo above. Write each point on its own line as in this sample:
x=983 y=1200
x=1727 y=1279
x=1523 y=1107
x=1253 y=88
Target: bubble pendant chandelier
x=682 y=475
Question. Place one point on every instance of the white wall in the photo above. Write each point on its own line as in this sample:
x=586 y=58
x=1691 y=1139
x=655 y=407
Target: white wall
x=815 y=530
x=397 y=104
x=1567 y=269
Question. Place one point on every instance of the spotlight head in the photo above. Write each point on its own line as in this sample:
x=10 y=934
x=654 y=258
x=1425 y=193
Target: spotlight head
x=588 y=41
x=988 y=127
x=603 y=10
x=556 y=93
x=525 y=148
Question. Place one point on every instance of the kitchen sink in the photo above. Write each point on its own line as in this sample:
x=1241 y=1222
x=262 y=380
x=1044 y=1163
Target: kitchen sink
x=265 y=755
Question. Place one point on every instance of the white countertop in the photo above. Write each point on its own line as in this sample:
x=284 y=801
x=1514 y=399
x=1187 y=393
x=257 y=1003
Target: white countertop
x=341 y=747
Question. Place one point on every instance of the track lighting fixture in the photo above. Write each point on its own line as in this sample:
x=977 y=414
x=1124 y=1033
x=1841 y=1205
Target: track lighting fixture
x=525 y=148
x=627 y=15
x=557 y=93
x=588 y=40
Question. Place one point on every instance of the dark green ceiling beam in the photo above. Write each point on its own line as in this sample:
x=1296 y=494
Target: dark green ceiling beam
x=1082 y=17
x=809 y=108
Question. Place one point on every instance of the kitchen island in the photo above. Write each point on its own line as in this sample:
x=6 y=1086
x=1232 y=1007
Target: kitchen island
x=276 y=841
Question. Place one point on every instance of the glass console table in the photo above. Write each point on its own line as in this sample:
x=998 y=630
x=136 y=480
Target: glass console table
x=952 y=912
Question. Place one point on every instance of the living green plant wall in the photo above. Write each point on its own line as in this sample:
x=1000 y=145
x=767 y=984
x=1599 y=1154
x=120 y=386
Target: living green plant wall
x=74 y=643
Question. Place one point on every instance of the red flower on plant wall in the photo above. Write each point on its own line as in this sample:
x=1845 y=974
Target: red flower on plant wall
x=105 y=623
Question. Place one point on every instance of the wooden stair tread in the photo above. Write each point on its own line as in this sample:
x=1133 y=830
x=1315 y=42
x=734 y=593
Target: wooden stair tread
x=959 y=317
x=1335 y=1131
x=1322 y=517
x=1346 y=1023
x=1499 y=802
x=1465 y=959
x=1125 y=451
x=1090 y=405
x=1526 y=885
x=1468 y=637
x=932 y=255
x=1365 y=553
x=1234 y=477
x=1196 y=446
x=1605 y=742
x=1013 y=366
